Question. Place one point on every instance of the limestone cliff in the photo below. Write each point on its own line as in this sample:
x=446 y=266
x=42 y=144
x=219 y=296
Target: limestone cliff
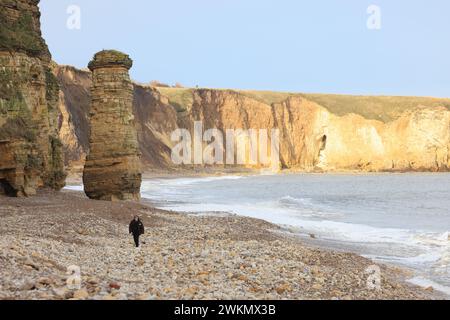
x=30 y=150
x=113 y=168
x=317 y=132
x=312 y=137
x=418 y=140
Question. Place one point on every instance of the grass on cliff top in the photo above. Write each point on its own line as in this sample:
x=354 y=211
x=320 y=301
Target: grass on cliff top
x=383 y=108
x=180 y=98
x=20 y=35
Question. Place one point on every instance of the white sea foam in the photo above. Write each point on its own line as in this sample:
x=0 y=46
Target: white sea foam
x=401 y=215
x=187 y=181
x=74 y=188
x=426 y=283
x=297 y=201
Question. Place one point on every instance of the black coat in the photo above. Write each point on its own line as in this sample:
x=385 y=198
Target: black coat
x=136 y=227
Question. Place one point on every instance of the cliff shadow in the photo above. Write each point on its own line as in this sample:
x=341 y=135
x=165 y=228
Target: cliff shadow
x=6 y=189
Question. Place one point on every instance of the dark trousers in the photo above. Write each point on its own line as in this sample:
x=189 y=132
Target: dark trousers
x=136 y=239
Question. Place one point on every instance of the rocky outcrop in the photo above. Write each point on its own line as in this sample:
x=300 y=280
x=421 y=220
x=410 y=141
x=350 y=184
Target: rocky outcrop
x=113 y=169
x=350 y=133
x=30 y=150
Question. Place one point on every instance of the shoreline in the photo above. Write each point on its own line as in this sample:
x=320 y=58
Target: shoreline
x=74 y=179
x=215 y=172
x=184 y=256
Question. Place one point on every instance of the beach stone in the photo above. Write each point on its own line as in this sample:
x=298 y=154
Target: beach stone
x=110 y=297
x=80 y=294
x=27 y=286
x=62 y=292
x=45 y=281
x=114 y=285
x=31 y=264
x=145 y=296
x=317 y=286
x=205 y=253
x=92 y=281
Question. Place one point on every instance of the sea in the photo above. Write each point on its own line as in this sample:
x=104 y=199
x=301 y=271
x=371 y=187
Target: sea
x=399 y=219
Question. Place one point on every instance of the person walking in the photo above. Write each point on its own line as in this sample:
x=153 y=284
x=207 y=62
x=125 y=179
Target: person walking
x=137 y=229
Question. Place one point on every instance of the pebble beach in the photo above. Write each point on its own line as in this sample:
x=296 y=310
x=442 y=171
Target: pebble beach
x=182 y=256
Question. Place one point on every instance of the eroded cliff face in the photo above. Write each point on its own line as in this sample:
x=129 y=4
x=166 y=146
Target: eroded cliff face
x=312 y=137
x=30 y=151
x=416 y=141
x=74 y=104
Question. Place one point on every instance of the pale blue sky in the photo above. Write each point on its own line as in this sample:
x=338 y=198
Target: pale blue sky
x=285 y=45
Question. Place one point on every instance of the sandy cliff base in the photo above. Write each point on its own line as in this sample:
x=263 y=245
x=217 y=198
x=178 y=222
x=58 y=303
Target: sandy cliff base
x=183 y=257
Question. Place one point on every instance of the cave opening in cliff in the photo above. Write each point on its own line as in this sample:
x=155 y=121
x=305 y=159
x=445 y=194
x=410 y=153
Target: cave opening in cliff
x=6 y=188
x=324 y=143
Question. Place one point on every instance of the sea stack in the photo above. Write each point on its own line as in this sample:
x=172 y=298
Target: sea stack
x=113 y=167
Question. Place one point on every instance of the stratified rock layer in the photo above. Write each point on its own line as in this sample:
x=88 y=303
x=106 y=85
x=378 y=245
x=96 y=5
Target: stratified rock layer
x=30 y=151
x=317 y=132
x=113 y=169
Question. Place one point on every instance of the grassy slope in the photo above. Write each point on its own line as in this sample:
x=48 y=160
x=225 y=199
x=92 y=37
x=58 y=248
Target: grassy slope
x=180 y=98
x=384 y=108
